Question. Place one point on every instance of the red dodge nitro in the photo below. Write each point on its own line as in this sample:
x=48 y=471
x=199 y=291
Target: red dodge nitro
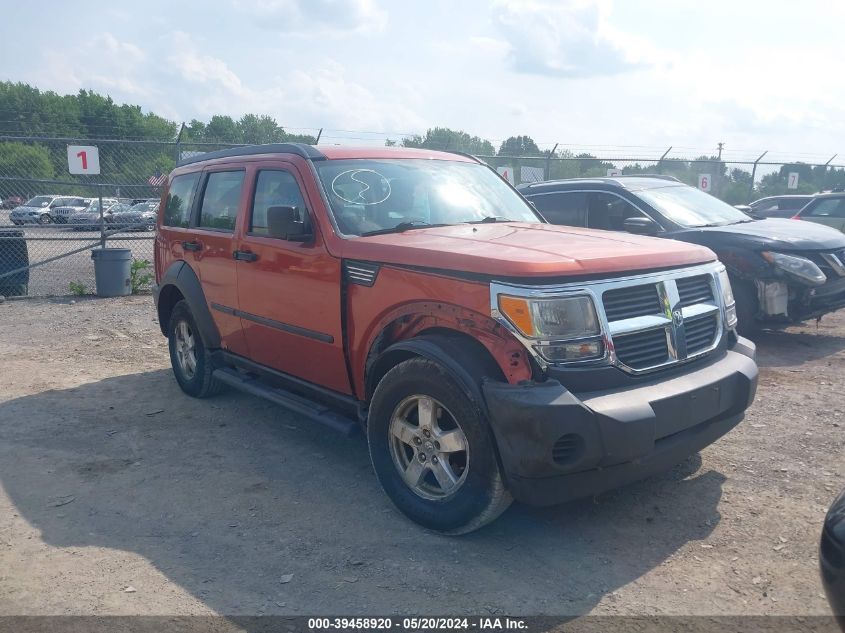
x=416 y=295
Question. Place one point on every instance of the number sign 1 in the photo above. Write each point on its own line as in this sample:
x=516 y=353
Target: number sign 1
x=704 y=182
x=83 y=159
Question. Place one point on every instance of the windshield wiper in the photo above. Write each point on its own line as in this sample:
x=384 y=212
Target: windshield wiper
x=491 y=219
x=401 y=228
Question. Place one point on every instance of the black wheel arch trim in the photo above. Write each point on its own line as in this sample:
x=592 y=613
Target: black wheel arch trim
x=443 y=349
x=182 y=277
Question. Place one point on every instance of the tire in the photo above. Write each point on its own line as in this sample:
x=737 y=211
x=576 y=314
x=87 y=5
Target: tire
x=194 y=377
x=747 y=308
x=478 y=495
x=44 y=219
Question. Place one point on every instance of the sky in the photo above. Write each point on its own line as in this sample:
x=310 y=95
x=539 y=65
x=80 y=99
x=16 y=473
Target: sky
x=623 y=77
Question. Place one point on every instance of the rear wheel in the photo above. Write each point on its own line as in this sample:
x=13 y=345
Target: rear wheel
x=44 y=219
x=189 y=357
x=432 y=450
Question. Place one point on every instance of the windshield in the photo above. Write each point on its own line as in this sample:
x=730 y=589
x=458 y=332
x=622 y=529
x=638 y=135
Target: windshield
x=38 y=201
x=144 y=206
x=380 y=195
x=68 y=202
x=691 y=207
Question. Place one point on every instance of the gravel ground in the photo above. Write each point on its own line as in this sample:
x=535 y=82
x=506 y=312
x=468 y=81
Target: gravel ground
x=120 y=495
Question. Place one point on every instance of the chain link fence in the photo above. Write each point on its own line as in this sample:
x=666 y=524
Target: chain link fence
x=50 y=220
x=734 y=181
x=45 y=247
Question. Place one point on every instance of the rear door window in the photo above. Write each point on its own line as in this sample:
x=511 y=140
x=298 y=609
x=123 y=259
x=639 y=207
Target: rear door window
x=829 y=208
x=219 y=207
x=180 y=198
x=567 y=208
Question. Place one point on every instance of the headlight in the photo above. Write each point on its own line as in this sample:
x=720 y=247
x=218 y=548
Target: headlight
x=562 y=327
x=801 y=267
x=728 y=298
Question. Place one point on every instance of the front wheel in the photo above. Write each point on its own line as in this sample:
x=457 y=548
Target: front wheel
x=45 y=219
x=432 y=450
x=189 y=357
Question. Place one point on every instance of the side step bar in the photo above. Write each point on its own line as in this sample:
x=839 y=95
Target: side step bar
x=298 y=404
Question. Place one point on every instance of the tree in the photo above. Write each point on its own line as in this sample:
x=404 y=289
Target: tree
x=443 y=138
x=224 y=129
x=27 y=162
x=519 y=146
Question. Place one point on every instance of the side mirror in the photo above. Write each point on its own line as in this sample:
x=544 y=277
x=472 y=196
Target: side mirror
x=284 y=223
x=641 y=226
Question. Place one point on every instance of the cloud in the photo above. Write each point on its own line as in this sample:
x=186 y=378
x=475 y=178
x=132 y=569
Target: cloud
x=567 y=38
x=314 y=16
x=104 y=63
x=197 y=68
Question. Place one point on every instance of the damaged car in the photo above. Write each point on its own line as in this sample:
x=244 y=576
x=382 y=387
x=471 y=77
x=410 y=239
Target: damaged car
x=781 y=271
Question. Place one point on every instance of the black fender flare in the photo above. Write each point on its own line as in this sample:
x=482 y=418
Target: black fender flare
x=459 y=357
x=181 y=276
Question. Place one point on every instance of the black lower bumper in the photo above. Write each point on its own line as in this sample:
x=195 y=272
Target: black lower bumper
x=556 y=446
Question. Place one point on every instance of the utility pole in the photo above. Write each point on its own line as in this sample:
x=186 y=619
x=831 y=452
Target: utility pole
x=718 y=175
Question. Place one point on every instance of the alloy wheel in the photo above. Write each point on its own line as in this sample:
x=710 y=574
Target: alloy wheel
x=429 y=448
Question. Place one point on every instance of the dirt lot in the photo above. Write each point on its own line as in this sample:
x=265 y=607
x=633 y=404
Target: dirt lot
x=120 y=495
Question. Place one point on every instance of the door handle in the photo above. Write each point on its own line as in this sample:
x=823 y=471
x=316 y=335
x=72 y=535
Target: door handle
x=245 y=256
x=192 y=246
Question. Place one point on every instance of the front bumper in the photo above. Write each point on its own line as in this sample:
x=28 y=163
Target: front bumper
x=556 y=446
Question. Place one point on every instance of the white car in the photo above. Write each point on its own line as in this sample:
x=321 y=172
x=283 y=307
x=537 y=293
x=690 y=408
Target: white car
x=36 y=210
x=63 y=208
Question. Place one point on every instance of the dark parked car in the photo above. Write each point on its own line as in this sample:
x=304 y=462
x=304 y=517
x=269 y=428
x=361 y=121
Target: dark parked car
x=827 y=209
x=140 y=217
x=14 y=259
x=781 y=271
x=832 y=558
x=779 y=206
x=89 y=218
x=11 y=202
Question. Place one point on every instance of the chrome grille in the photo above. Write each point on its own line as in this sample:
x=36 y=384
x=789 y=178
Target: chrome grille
x=700 y=332
x=632 y=301
x=658 y=324
x=692 y=290
x=642 y=349
x=648 y=322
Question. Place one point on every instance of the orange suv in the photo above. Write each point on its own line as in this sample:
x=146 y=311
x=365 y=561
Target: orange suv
x=415 y=295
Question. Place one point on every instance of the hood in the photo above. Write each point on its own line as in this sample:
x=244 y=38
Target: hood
x=516 y=249
x=773 y=233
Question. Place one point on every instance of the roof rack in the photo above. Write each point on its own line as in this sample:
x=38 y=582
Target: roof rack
x=660 y=176
x=309 y=152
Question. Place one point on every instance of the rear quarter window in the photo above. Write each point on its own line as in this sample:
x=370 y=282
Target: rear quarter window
x=180 y=198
